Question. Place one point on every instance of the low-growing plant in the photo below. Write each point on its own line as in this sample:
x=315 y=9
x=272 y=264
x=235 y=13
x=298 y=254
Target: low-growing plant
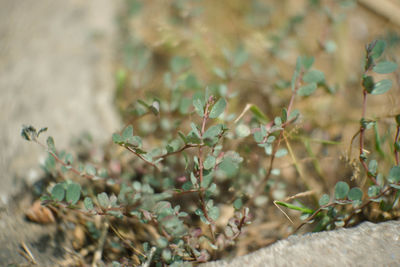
x=171 y=196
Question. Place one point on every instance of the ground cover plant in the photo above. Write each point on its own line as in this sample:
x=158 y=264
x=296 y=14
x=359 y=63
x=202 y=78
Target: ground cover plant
x=204 y=170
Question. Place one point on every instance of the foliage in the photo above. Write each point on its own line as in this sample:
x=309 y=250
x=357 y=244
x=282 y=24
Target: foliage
x=189 y=172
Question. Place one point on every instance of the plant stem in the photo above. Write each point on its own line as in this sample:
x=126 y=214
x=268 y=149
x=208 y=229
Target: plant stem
x=260 y=187
x=396 y=139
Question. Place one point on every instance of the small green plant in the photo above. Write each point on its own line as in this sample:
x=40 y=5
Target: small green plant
x=172 y=194
x=381 y=189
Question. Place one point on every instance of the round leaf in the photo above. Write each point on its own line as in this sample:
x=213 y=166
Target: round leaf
x=355 y=194
x=209 y=162
x=307 y=89
x=103 y=199
x=378 y=49
x=58 y=192
x=324 y=200
x=341 y=190
x=394 y=175
x=243 y=130
x=128 y=132
x=73 y=193
x=281 y=152
x=213 y=212
x=314 y=76
x=373 y=191
x=198 y=106
x=88 y=203
x=238 y=203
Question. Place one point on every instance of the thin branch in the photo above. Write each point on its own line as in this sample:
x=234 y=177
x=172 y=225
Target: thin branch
x=68 y=166
x=260 y=187
x=396 y=139
x=141 y=157
x=176 y=152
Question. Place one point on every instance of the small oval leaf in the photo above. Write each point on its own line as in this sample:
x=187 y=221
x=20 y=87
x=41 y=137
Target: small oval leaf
x=381 y=87
x=73 y=193
x=341 y=190
x=218 y=108
x=355 y=194
x=58 y=192
x=385 y=67
x=307 y=89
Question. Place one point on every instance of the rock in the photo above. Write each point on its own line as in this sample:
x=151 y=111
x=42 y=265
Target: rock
x=365 y=245
x=57 y=71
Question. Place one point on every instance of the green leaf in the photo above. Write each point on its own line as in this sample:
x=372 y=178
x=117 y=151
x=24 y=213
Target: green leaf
x=355 y=194
x=173 y=145
x=324 y=200
x=306 y=61
x=293 y=207
x=381 y=87
x=258 y=114
x=183 y=137
x=397 y=118
x=238 y=203
x=281 y=152
x=73 y=193
x=278 y=121
x=394 y=175
x=213 y=131
x=219 y=72
x=49 y=163
x=42 y=130
x=58 y=192
x=218 y=108
x=198 y=106
x=69 y=159
x=368 y=83
x=258 y=137
x=242 y=130
x=184 y=105
x=127 y=133
x=209 y=162
x=90 y=169
x=307 y=90
x=373 y=191
x=50 y=144
x=373 y=166
x=103 y=199
x=385 y=67
x=341 y=190
x=135 y=141
x=314 y=76
x=294 y=114
x=213 y=213
x=88 y=203
x=229 y=167
x=240 y=56
x=117 y=138
x=195 y=130
x=284 y=115
x=378 y=49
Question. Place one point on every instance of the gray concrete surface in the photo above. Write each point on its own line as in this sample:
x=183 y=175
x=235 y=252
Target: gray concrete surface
x=56 y=70
x=366 y=245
